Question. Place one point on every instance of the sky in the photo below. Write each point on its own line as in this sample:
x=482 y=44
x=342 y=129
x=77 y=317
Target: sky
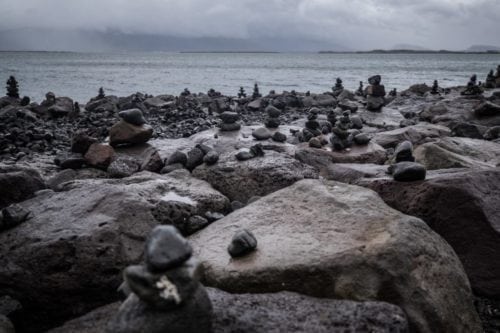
x=334 y=24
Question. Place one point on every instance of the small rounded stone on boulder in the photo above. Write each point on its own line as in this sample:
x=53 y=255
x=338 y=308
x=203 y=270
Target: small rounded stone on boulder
x=261 y=133
x=361 y=139
x=166 y=248
x=177 y=157
x=211 y=157
x=133 y=116
x=243 y=242
x=228 y=117
x=279 y=137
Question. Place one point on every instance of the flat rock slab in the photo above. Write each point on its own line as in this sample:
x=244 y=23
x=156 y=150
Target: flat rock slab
x=329 y=239
x=259 y=176
x=278 y=312
x=67 y=258
x=463 y=207
x=324 y=157
x=388 y=118
x=417 y=134
x=455 y=152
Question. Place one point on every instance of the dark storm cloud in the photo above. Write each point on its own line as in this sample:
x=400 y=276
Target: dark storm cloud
x=352 y=23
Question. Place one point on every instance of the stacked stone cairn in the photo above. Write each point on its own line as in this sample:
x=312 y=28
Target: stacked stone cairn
x=341 y=138
x=242 y=93
x=490 y=81
x=404 y=168
x=229 y=121
x=313 y=127
x=375 y=94
x=12 y=87
x=360 y=91
x=273 y=117
x=131 y=129
x=497 y=76
x=256 y=94
x=338 y=88
x=164 y=294
x=435 y=88
x=473 y=88
x=393 y=92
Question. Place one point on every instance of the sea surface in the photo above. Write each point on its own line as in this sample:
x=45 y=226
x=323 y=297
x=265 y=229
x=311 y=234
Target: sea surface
x=79 y=75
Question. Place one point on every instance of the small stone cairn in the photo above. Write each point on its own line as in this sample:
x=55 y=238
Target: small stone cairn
x=273 y=114
x=375 y=94
x=164 y=294
x=473 y=88
x=338 y=88
x=229 y=121
x=404 y=168
x=490 y=81
x=341 y=138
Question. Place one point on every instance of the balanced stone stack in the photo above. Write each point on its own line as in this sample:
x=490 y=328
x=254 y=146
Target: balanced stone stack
x=164 y=294
x=131 y=129
x=273 y=114
x=375 y=94
x=229 y=121
x=312 y=128
x=341 y=138
x=472 y=89
x=338 y=88
x=405 y=169
x=435 y=88
x=490 y=81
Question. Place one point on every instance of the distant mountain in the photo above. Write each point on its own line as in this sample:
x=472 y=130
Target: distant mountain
x=482 y=48
x=409 y=47
x=88 y=41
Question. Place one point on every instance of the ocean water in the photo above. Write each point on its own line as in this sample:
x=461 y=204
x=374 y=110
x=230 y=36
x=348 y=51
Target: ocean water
x=79 y=75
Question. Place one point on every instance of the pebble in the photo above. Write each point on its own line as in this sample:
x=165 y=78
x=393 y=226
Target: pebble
x=243 y=242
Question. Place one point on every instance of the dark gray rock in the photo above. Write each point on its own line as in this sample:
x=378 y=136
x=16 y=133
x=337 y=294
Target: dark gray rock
x=133 y=116
x=404 y=152
x=211 y=157
x=243 y=242
x=194 y=158
x=273 y=112
x=272 y=122
x=230 y=127
x=81 y=142
x=166 y=248
x=171 y=167
x=407 y=171
x=195 y=316
x=6 y=325
x=487 y=109
x=195 y=223
x=177 y=157
x=18 y=184
x=244 y=154
x=13 y=216
x=261 y=133
x=361 y=139
x=315 y=143
x=70 y=161
x=467 y=130
x=279 y=137
x=357 y=123
x=228 y=117
x=123 y=167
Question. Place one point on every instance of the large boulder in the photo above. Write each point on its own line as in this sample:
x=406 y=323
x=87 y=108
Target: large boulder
x=241 y=180
x=18 y=184
x=277 y=312
x=456 y=152
x=67 y=258
x=463 y=208
x=417 y=134
x=329 y=239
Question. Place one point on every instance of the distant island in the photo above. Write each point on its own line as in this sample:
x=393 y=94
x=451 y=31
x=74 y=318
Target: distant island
x=405 y=51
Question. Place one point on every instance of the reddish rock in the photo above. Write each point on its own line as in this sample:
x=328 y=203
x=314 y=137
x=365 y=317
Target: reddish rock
x=128 y=134
x=100 y=155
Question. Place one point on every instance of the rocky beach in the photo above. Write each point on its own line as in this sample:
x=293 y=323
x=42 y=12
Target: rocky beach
x=371 y=210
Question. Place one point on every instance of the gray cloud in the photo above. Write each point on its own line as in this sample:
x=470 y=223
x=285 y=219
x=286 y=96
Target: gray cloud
x=355 y=24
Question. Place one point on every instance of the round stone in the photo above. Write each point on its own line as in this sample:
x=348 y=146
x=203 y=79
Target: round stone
x=228 y=117
x=166 y=248
x=243 y=242
x=279 y=137
x=273 y=112
x=133 y=116
x=177 y=157
x=261 y=133
x=211 y=157
x=408 y=171
x=361 y=139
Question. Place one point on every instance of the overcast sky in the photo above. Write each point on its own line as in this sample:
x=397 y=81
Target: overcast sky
x=352 y=24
